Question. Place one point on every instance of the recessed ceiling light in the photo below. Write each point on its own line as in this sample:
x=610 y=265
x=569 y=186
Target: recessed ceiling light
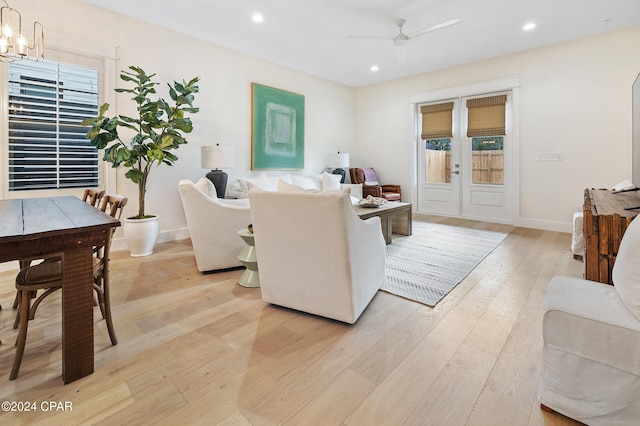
x=603 y=22
x=257 y=17
x=374 y=68
x=529 y=26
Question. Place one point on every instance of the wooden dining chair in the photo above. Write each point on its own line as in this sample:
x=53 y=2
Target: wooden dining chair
x=93 y=196
x=112 y=205
x=48 y=276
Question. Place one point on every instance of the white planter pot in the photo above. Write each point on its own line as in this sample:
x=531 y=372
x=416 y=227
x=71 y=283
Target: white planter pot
x=141 y=235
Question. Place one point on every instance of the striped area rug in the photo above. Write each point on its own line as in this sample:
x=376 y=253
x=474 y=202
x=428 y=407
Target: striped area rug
x=427 y=265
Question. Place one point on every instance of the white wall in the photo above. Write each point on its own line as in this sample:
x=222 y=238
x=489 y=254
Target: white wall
x=564 y=90
x=224 y=98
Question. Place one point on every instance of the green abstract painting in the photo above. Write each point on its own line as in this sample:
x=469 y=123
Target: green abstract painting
x=277 y=129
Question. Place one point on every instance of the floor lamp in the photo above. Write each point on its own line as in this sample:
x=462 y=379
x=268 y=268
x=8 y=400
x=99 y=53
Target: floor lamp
x=215 y=157
x=338 y=162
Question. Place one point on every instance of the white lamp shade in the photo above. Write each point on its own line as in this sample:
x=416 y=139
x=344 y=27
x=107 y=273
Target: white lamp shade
x=217 y=157
x=339 y=160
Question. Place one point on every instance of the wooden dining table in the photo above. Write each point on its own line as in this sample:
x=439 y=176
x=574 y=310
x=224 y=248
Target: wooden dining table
x=41 y=227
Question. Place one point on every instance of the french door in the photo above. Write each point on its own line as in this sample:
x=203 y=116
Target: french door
x=467 y=175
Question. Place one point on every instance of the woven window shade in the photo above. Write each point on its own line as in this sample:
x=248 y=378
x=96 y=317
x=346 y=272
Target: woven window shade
x=437 y=121
x=486 y=116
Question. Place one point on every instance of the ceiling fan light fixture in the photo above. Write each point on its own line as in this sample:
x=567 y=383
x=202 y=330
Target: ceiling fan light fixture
x=401 y=41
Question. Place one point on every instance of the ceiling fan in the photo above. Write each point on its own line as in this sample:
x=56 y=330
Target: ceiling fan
x=402 y=39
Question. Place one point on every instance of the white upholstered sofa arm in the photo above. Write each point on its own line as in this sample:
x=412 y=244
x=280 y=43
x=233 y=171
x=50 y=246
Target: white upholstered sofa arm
x=213 y=226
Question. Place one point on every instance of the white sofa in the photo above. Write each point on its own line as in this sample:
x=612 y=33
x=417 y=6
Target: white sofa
x=213 y=225
x=315 y=254
x=591 y=335
x=321 y=182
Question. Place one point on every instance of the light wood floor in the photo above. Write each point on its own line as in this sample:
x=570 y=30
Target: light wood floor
x=199 y=349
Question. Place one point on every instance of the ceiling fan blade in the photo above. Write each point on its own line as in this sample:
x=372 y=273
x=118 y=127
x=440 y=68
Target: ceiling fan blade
x=366 y=37
x=435 y=27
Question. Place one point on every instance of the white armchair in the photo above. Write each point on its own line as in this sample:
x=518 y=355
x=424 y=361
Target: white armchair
x=591 y=351
x=213 y=225
x=315 y=254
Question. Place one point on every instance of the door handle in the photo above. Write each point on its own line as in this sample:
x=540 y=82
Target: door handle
x=457 y=172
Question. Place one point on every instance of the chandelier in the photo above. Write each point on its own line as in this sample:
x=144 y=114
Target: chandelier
x=14 y=44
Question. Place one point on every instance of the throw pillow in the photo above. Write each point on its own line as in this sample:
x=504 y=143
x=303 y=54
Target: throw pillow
x=244 y=186
x=307 y=182
x=262 y=182
x=286 y=178
x=369 y=175
x=626 y=270
x=330 y=182
x=205 y=186
x=286 y=187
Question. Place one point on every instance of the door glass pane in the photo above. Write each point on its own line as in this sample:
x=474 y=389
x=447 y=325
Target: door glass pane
x=438 y=160
x=487 y=160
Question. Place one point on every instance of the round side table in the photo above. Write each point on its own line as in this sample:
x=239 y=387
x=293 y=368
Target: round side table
x=247 y=256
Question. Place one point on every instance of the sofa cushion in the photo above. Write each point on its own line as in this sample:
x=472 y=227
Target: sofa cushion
x=205 y=186
x=626 y=270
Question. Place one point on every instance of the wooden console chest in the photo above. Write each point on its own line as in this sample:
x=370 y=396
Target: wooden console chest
x=605 y=221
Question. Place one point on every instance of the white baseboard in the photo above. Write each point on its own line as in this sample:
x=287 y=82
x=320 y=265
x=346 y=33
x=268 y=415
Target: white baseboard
x=545 y=225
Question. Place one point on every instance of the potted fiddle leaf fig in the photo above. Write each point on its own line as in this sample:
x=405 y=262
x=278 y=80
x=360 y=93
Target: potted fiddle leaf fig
x=143 y=141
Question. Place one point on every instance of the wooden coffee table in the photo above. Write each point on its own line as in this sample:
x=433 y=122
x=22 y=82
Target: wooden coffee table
x=395 y=218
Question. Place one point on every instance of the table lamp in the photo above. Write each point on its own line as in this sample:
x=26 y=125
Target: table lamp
x=216 y=157
x=339 y=161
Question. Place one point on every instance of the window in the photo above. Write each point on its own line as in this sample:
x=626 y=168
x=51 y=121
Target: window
x=437 y=131
x=437 y=160
x=47 y=145
x=487 y=159
x=486 y=128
